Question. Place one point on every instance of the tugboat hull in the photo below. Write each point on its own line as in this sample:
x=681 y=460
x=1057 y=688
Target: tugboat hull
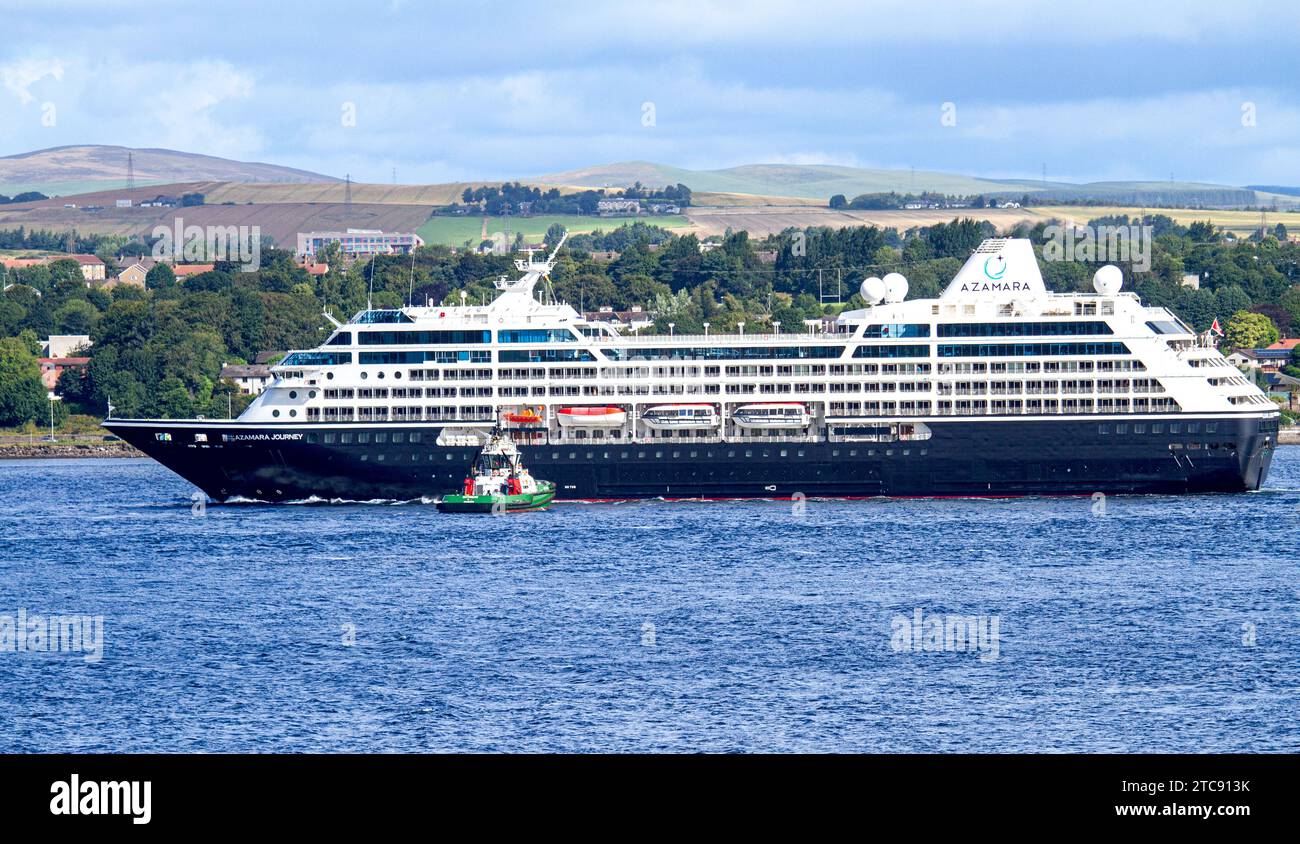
x=496 y=503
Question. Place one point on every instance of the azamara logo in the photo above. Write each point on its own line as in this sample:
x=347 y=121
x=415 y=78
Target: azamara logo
x=74 y=797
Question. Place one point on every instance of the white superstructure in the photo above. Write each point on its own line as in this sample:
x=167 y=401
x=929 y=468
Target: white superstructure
x=996 y=344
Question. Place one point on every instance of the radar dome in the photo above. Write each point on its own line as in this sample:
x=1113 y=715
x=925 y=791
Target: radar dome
x=1108 y=280
x=895 y=287
x=873 y=290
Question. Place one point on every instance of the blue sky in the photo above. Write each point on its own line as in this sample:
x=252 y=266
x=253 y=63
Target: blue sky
x=465 y=90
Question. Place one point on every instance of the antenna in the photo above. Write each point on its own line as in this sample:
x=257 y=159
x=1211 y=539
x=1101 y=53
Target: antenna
x=130 y=171
x=410 y=294
x=551 y=258
x=370 y=292
x=347 y=200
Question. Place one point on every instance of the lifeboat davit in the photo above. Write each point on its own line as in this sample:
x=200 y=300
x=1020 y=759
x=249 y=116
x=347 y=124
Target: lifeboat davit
x=663 y=417
x=772 y=415
x=591 y=417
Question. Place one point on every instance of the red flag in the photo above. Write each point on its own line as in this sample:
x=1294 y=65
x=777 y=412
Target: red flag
x=1215 y=328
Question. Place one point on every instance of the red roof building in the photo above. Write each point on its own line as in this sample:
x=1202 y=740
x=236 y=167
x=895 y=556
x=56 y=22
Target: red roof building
x=52 y=368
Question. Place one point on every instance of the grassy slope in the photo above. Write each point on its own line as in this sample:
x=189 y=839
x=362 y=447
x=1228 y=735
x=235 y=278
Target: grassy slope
x=267 y=192
x=70 y=188
x=807 y=181
x=454 y=231
x=1239 y=222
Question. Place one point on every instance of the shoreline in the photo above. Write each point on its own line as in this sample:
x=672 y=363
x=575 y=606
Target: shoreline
x=71 y=448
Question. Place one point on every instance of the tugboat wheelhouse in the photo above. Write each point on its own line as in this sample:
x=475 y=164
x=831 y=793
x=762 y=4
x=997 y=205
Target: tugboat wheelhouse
x=1003 y=390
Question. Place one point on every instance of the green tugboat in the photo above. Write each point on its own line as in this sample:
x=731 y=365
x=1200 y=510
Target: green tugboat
x=498 y=482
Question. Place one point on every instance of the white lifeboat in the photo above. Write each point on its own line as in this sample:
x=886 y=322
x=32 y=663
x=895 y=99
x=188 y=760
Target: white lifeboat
x=772 y=415
x=663 y=417
x=596 y=416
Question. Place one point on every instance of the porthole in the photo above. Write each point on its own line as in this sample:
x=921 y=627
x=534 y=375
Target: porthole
x=381 y=376
x=293 y=394
x=397 y=374
x=364 y=375
x=275 y=413
x=329 y=376
x=311 y=394
x=293 y=413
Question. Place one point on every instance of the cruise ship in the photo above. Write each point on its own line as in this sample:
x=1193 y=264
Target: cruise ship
x=996 y=388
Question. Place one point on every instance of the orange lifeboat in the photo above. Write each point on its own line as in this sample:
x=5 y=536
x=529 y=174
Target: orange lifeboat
x=527 y=416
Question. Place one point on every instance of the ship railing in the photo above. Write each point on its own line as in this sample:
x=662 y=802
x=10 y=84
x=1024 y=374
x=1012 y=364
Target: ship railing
x=668 y=339
x=676 y=441
x=792 y=438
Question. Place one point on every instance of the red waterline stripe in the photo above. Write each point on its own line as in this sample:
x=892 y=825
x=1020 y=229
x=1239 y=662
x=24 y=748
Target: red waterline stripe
x=827 y=498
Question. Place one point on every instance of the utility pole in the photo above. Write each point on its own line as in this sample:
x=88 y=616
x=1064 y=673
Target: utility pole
x=347 y=200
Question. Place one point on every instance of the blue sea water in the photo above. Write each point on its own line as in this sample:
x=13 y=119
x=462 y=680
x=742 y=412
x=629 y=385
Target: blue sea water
x=1162 y=624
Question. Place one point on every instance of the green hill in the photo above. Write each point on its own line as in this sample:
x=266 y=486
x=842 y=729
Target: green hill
x=821 y=181
x=813 y=181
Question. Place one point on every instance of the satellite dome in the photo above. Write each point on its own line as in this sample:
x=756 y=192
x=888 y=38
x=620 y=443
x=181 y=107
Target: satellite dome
x=873 y=290
x=1108 y=280
x=895 y=287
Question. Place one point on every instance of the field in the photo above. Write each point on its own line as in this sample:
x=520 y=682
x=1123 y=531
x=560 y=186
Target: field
x=69 y=188
x=283 y=209
x=335 y=192
x=1237 y=222
x=813 y=181
x=761 y=221
x=455 y=231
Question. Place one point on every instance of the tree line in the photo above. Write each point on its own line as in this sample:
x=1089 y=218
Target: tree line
x=159 y=351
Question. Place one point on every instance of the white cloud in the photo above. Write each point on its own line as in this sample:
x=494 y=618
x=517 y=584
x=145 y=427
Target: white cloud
x=19 y=76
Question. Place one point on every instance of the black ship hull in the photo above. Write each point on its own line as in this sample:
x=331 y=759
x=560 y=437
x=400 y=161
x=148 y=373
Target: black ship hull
x=963 y=457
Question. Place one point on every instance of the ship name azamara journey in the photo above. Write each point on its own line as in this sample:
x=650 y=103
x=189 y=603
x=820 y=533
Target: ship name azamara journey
x=997 y=387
